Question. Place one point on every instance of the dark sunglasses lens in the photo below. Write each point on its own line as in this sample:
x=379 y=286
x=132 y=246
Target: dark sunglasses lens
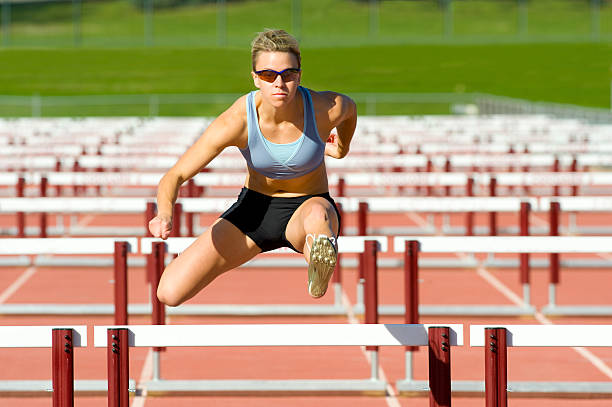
x=268 y=76
x=290 y=75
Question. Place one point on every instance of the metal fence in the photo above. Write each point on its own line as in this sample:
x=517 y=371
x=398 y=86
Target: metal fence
x=212 y=104
x=116 y=23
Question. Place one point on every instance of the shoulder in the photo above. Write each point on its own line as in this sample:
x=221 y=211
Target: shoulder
x=333 y=105
x=231 y=125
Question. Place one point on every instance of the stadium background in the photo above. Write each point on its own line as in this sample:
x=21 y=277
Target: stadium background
x=164 y=57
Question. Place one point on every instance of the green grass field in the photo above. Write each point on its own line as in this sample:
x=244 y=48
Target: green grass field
x=556 y=60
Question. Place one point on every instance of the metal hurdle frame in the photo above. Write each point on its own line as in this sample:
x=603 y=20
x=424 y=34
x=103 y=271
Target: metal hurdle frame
x=411 y=245
x=62 y=340
x=440 y=339
x=118 y=247
x=497 y=338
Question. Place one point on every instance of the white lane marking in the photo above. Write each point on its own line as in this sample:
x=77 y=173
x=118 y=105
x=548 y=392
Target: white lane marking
x=16 y=285
x=391 y=397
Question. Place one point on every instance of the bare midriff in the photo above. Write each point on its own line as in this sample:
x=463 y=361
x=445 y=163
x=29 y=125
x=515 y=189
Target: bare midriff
x=314 y=182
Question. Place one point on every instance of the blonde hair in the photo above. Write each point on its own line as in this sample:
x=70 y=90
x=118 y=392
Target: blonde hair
x=275 y=41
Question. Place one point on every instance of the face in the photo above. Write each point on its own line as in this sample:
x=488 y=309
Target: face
x=280 y=91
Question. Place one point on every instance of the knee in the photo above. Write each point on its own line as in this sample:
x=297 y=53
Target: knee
x=316 y=216
x=168 y=296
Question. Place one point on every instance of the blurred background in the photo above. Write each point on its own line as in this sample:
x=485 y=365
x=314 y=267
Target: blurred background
x=191 y=57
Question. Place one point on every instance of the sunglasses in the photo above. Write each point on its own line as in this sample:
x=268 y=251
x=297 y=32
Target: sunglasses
x=287 y=75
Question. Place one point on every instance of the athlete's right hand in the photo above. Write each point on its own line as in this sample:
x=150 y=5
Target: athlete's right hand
x=161 y=226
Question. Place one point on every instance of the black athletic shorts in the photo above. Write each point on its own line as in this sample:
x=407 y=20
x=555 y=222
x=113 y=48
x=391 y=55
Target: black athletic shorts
x=264 y=218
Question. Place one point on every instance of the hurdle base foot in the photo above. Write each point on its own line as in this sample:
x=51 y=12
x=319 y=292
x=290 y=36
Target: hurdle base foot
x=576 y=310
x=43 y=388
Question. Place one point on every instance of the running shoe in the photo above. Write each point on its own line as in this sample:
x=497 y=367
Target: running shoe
x=323 y=256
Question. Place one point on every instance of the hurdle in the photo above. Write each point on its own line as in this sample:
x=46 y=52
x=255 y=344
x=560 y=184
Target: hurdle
x=346 y=244
x=118 y=247
x=504 y=244
x=62 y=341
x=497 y=338
x=439 y=338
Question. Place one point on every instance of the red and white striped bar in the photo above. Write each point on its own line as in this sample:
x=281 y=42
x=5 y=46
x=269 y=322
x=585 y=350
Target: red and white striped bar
x=100 y=245
x=346 y=244
x=62 y=340
x=278 y=335
x=507 y=244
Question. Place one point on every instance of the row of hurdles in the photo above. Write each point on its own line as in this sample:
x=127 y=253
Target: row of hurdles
x=366 y=247
x=474 y=161
x=439 y=338
x=346 y=184
x=187 y=210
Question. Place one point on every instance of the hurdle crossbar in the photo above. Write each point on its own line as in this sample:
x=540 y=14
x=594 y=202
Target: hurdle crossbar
x=63 y=340
x=495 y=340
x=281 y=335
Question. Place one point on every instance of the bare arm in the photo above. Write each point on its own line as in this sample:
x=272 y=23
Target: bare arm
x=343 y=116
x=227 y=130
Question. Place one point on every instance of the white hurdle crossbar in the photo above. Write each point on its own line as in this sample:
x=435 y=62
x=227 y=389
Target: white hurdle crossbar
x=505 y=244
x=496 y=338
x=63 y=340
x=61 y=246
x=284 y=335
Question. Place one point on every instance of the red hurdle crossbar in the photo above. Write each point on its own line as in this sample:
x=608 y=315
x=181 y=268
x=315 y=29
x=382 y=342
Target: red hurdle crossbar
x=62 y=367
x=118 y=357
x=495 y=367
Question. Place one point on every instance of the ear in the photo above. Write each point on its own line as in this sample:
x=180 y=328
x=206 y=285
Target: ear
x=255 y=79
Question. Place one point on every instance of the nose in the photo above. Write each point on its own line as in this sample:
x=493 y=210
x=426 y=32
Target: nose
x=278 y=81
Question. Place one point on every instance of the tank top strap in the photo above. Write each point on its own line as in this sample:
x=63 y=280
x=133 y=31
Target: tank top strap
x=310 y=126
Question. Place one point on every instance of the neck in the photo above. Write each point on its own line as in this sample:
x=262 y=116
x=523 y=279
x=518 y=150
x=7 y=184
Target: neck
x=287 y=113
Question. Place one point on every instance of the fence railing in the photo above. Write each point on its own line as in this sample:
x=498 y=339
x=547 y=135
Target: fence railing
x=212 y=104
x=68 y=23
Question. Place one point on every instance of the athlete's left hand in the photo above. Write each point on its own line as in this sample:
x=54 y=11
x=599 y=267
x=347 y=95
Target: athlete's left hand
x=331 y=147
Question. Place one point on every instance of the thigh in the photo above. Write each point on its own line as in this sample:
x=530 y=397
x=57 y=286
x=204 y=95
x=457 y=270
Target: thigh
x=220 y=248
x=295 y=232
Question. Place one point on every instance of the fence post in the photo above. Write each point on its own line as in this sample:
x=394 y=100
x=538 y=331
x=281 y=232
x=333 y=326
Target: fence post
x=221 y=23
x=374 y=17
x=296 y=18
x=448 y=18
x=6 y=23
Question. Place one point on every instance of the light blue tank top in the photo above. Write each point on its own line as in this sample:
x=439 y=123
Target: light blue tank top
x=284 y=161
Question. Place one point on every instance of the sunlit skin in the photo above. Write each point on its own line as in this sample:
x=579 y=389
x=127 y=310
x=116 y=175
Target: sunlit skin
x=223 y=246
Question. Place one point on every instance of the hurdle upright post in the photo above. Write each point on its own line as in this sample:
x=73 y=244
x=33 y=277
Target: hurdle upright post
x=496 y=381
x=524 y=257
x=555 y=209
x=362 y=230
x=371 y=298
x=439 y=366
x=158 y=316
x=62 y=367
x=177 y=220
x=411 y=296
x=337 y=276
x=189 y=215
x=118 y=366
x=574 y=168
x=469 y=216
x=492 y=215
x=556 y=168
x=43 y=215
x=120 y=266
x=20 y=215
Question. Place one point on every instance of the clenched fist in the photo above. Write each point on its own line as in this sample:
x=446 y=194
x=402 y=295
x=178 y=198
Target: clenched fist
x=161 y=226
